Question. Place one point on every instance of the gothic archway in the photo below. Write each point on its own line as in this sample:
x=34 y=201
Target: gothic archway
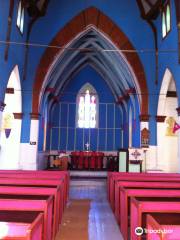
x=11 y=123
x=90 y=17
x=167 y=140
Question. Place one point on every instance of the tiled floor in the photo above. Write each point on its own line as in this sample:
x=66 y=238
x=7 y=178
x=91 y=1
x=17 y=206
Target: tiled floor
x=102 y=224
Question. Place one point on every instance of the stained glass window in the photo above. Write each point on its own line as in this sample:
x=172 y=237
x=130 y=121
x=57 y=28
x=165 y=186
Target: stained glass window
x=20 y=17
x=166 y=20
x=87 y=107
x=163 y=25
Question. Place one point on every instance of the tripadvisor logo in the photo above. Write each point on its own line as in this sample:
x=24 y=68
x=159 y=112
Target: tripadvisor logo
x=139 y=231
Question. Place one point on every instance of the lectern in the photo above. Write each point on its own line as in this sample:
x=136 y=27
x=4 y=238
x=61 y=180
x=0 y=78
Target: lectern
x=136 y=157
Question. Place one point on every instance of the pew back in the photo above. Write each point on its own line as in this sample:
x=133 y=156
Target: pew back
x=145 y=185
x=138 y=207
x=140 y=177
x=64 y=176
x=22 y=230
x=45 y=206
x=29 y=191
x=163 y=226
x=144 y=193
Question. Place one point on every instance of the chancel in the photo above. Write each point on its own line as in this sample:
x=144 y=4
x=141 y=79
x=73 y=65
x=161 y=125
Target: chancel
x=89 y=119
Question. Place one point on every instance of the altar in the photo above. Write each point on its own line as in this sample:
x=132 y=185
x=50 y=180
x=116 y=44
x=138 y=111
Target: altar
x=87 y=160
x=83 y=160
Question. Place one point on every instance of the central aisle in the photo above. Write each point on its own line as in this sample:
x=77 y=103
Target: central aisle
x=102 y=224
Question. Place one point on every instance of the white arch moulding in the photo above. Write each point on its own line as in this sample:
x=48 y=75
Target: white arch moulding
x=167 y=144
x=10 y=143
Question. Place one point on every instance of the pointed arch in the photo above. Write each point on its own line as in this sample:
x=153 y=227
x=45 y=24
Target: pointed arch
x=167 y=141
x=167 y=80
x=90 y=16
x=11 y=123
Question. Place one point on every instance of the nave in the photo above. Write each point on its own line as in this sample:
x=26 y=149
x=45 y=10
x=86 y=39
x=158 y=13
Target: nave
x=101 y=221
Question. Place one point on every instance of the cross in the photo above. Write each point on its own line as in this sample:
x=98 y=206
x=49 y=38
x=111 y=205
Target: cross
x=136 y=154
x=87 y=146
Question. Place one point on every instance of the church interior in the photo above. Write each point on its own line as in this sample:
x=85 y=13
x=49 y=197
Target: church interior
x=89 y=119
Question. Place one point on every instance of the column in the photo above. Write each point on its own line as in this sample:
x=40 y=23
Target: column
x=2 y=106
x=178 y=132
x=10 y=145
x=150 y=154
x=161 y=129
x=29 y=151
x=144 y=124
x=16 y=153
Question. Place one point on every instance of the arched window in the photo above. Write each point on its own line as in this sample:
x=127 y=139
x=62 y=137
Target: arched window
x=87 y=107
x=166 y=19
x=20 y=17
x=163 y=25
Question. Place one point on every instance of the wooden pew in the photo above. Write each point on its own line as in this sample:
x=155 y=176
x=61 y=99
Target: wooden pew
x=145 y=185
x=64 y=175
x=30 y=181
x=33 y=183
x=113 y=175
x=144 y=193
x=148 y=205
x=150 y=177
x=40 y=174
x=163 y=226
x=43 y=178
x=45 y=206
x=21 y=225
x=29 y=191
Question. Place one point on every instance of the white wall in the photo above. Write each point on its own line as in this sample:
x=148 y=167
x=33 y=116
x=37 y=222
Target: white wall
x=10 y=147
x=9 y=153
x=167 y=146
x=29 y=152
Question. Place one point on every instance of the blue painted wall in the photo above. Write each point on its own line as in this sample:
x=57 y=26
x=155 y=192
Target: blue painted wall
x=64 y=133
x=167 y=58
x=15 y=54
x=16 y=51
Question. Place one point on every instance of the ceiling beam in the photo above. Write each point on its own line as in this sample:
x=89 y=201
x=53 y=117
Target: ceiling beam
x=177 y=4
x=154 y=12
x=154 y=9
x=149 y=3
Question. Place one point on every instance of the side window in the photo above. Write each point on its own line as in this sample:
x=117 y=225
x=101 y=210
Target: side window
x=166 y=19
x=20 y=17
